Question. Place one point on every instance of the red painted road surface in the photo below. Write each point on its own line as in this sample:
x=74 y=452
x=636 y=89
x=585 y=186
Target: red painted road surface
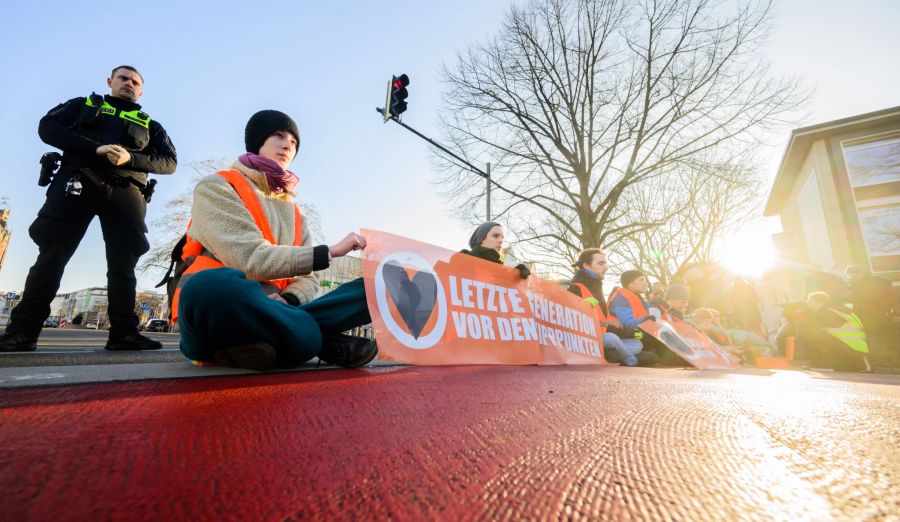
x=473 y=443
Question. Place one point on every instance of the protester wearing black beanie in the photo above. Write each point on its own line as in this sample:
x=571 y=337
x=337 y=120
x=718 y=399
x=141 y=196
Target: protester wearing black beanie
x=630 y=275
x=265 y=123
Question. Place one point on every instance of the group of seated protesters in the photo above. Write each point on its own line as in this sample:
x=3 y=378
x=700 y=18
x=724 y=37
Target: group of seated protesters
x=831 y=337
x=623 y=314
x=246 y=293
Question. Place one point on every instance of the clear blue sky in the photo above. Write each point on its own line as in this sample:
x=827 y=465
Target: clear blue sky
x=209 y=65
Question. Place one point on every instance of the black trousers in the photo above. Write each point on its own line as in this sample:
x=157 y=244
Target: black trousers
x=58 y=230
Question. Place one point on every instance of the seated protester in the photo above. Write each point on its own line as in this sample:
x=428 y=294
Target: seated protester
x=677 y=298
x=628 y=306
x=626 y=303
x=708 y=321
x=657 y=292
x=673 y=306
x=744 y=343
x=620 y=345
x=246 y=298
x=487 y=243
x=832 y=336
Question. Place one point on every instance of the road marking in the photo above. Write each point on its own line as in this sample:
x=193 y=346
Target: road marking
x=35 y=376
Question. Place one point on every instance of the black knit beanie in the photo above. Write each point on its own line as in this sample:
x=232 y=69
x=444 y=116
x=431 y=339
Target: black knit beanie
x=630 y=275
x=481 y=232
x=265 y=123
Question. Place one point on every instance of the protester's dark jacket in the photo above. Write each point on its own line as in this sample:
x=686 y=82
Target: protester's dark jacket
x=489 y=254
x=78 y=131
x=828 y=318
x=872 y=297
x=595 y=285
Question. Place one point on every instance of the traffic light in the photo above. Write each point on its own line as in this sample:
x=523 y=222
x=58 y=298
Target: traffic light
x=397 y=95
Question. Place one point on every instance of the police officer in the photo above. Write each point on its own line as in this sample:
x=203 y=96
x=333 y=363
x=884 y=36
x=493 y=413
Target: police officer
x=109 y=146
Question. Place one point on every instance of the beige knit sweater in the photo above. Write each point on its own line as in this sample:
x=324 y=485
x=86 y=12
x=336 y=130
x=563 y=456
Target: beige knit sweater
x=222 y=224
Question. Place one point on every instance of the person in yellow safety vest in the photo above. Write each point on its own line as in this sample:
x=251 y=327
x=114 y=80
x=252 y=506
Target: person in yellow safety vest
x=247 y=297
x=620 y=344
x=834 y=336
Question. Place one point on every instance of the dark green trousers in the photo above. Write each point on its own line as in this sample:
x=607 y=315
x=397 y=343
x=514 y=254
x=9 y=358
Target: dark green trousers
x=221 y=307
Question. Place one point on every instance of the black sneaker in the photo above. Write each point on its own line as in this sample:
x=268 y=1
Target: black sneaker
x=132 y=342
x=253 y=356
x=17 y=342
x=347 y=351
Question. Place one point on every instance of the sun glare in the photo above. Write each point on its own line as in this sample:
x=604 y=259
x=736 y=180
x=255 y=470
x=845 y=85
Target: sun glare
x=748 y=253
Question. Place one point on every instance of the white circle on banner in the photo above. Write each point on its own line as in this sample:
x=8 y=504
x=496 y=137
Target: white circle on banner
x=408 y=259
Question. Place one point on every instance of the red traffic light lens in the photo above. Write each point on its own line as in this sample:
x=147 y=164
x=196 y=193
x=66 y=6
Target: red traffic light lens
x=401 y=81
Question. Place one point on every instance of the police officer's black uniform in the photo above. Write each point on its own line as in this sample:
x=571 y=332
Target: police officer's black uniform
x=114 y=194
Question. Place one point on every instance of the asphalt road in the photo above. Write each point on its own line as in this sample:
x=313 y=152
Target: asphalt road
x=457 y=443
x=67 y=356
x=65 y=347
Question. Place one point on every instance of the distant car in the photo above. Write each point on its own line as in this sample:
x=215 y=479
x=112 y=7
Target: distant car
x=51 y=323
x=91 y=325
x=157 y=325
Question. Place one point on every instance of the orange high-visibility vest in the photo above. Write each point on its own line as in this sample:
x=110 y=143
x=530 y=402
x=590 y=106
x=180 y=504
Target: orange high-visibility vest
x=635 y=302
x=664 y=311
x=197 y=258
x=605 y=319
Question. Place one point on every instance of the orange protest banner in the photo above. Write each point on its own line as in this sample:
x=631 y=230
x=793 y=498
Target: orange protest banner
x=691 y=345
x=434 y=306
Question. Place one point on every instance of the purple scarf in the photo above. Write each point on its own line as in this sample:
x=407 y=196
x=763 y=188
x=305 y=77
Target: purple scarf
x=279 y=179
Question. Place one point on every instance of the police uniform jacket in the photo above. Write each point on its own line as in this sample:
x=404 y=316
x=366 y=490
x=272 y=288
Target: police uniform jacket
x=80 y=125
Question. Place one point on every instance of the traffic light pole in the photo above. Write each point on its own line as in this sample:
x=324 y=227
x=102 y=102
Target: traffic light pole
x=476 y=170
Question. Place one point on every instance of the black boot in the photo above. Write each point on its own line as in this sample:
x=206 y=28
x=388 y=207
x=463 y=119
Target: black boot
x=647 y=359
x=347 y=351
x=132 y=342
x=253 y=356
x=17 y=342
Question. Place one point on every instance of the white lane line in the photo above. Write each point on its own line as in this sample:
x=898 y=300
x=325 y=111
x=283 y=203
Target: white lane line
x=34 y=377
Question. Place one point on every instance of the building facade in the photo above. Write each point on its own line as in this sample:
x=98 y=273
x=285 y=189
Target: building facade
x=837 y=193
x=89 y=302
x=5 y=235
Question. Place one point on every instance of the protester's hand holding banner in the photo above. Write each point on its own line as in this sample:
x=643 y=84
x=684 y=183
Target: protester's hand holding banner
x=691 y=345
x=430 y=305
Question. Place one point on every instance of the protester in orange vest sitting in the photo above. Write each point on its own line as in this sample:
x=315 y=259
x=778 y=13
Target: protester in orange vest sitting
x=246 y=298
x=486 y=242
x=627 y=304
x=620 y=344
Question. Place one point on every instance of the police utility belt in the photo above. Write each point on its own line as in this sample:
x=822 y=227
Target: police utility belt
x=51 y=163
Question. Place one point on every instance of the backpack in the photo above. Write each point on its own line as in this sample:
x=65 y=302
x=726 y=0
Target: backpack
x=177 y=266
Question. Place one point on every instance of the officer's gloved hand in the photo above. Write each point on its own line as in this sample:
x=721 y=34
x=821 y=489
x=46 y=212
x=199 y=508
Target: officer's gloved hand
x=117 y=155
x=523 y=271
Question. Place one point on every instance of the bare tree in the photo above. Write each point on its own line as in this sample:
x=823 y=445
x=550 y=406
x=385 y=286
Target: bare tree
x=713 y=201
x=168 y=229
x=577 y=102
